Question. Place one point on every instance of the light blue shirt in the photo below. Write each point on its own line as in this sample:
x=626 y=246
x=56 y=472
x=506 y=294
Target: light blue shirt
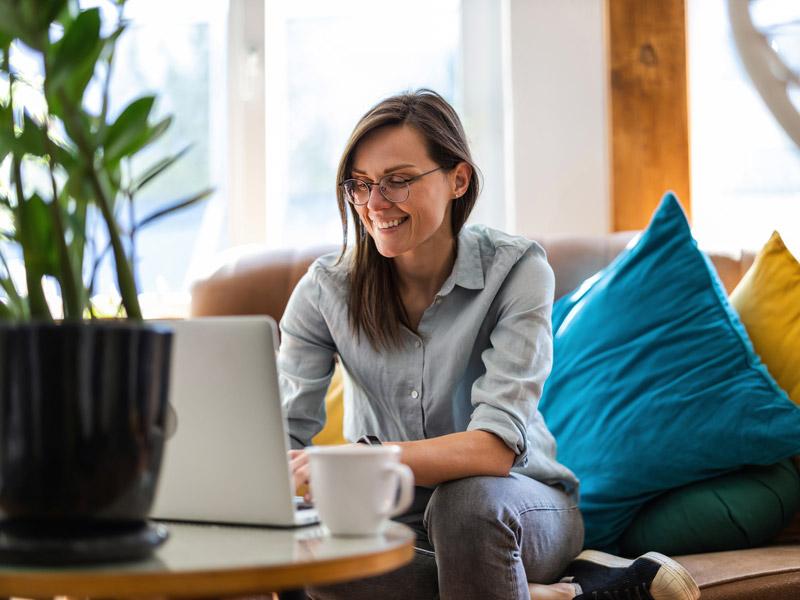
x=478 y=361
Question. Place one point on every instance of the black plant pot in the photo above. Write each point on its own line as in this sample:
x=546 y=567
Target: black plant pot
x=82 y=429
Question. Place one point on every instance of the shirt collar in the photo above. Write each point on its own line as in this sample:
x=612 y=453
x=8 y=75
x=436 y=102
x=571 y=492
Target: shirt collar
x=468 y=269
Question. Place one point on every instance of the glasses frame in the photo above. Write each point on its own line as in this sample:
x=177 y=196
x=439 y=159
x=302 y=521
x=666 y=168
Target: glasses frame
x=380 y=185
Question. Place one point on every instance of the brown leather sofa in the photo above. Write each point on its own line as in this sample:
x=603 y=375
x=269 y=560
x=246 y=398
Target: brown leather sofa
x=261 y=283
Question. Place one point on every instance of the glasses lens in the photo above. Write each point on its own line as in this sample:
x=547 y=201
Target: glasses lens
x=357 y=191
x=394 y=188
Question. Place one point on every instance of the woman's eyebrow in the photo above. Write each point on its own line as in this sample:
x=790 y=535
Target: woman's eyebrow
x=389 y=170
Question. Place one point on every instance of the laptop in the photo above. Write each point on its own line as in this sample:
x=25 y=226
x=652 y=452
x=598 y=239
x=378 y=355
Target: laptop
x=226 y=461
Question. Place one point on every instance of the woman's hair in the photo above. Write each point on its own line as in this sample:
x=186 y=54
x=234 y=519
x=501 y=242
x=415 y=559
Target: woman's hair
x=374 y=304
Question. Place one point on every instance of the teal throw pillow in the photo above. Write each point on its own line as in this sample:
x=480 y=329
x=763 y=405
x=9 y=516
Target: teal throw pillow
x=655 y=383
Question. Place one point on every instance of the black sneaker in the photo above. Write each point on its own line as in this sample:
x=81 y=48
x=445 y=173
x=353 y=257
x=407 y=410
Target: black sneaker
x=652 y=576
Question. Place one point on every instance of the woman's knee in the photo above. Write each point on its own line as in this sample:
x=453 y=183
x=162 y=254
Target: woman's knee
x=471 y=505
x=505 y=510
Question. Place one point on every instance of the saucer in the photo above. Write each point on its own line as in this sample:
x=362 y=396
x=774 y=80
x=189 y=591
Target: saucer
x=49 y=543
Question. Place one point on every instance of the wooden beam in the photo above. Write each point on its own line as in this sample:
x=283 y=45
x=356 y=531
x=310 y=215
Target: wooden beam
x=649 y=128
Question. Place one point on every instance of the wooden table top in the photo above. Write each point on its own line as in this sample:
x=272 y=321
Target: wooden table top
x=219 y=560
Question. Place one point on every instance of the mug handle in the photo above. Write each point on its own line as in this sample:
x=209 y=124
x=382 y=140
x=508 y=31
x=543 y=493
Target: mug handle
x=405 y=479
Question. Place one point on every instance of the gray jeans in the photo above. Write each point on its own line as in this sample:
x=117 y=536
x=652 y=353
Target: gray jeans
x=479 y=537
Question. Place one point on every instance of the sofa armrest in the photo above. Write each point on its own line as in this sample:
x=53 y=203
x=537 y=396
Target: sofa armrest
x=252 y=281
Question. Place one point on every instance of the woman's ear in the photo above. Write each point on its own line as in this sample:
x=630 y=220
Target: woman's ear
x=461 y=175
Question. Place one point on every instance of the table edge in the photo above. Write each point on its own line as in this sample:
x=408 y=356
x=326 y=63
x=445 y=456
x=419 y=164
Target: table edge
x=242 y=580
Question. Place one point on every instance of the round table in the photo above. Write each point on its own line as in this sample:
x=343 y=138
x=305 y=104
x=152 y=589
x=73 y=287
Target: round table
x=221 y=560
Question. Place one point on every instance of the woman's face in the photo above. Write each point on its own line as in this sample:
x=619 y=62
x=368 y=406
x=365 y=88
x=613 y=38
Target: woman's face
x=425 y=216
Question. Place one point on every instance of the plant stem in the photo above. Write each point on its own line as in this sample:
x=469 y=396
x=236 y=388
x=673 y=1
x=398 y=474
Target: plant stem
x=39 y=307
x=69 y=285
x=125 y=280
x=69 y=280
x=38 y=303
x=132 y=218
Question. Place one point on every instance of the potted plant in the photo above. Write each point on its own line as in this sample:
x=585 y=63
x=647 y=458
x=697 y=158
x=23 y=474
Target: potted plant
x=83 y=399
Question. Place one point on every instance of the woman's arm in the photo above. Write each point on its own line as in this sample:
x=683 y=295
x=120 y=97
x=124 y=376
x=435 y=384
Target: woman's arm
x=305 y=360
x=455 y=456
x=436 y=460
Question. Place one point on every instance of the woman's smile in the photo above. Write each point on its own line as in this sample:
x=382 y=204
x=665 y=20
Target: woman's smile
x=386 y=226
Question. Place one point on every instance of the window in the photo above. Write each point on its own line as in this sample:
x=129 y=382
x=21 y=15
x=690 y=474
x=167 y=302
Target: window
x=178 y=55
x=745 y=169
x=266 y=95
x=371 y=50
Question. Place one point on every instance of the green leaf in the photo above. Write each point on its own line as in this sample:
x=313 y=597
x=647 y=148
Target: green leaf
x=79 y=185
x=64 y=155
x=7 y=139
x=79 y=127
x=79 y=42
x=159 y=129
x=69 y=13
x=130 y=132
x=71 y=61
x=6 y=313
x=36 y=15
x=31 y=140
x=15 y=301
x=172 y=208
x=47 y=11
x=158 y=168
x=37 y=236
x=29 y=20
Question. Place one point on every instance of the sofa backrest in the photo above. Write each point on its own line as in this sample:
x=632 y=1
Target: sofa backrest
x=261 y=281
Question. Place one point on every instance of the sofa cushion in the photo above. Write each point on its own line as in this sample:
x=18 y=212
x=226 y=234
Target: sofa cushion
x=743 y=509
x=655 y=383
x=768 y=302
x=754 y=574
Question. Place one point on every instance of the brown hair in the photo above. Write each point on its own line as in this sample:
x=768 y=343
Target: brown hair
x=374 y=304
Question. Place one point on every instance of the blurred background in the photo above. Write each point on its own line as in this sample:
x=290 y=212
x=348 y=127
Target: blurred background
x=266 y=93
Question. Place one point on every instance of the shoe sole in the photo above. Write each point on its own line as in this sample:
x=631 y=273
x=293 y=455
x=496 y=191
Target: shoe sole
x=672 y=582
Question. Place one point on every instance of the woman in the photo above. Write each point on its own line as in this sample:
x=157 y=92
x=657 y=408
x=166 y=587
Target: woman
x=445 y=337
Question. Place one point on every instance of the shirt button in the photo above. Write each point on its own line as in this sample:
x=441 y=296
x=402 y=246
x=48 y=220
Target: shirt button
x=414 y=394
x=418 y=344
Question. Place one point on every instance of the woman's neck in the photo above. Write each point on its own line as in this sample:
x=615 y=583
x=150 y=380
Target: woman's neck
x=423 y=271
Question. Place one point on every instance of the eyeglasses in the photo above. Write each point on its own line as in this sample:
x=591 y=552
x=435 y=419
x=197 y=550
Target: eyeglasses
x=395 y=188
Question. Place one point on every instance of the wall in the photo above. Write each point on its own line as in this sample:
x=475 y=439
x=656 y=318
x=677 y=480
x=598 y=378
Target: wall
x=556 y=135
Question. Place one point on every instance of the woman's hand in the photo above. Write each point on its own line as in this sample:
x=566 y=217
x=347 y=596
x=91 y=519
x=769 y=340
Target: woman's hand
x=301 y=473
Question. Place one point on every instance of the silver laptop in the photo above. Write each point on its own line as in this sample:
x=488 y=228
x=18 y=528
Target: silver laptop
x=226 y=461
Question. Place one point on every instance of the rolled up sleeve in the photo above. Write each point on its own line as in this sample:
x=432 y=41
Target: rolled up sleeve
x=305 y=361
x=519 y=358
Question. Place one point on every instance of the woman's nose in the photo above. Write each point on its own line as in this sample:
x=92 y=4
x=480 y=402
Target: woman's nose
x=376 y=199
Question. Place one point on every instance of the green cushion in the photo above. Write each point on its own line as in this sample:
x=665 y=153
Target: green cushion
x=742 y=509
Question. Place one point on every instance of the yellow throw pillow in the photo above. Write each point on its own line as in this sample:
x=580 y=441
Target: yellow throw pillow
x=768 y=302
x=332 y=433
x=334 y=407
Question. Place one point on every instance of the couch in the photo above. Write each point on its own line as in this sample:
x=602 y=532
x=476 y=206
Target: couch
x=260 y=282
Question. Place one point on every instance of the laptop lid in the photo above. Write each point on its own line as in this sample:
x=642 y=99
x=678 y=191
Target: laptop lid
x=227 y=459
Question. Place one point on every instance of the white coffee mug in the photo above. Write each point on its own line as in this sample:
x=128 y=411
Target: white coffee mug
x=355 y=487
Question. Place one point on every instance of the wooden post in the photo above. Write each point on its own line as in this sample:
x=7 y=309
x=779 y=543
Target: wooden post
x=649 y=129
